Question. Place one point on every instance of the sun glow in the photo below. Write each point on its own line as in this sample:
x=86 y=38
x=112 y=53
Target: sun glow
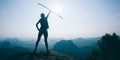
x=57 y=8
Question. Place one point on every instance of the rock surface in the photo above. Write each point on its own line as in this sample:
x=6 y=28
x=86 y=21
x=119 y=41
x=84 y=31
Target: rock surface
x=40 y=55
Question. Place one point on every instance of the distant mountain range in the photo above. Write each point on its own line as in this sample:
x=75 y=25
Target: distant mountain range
x=81 y=42
x=67 y=47
x=78 y=47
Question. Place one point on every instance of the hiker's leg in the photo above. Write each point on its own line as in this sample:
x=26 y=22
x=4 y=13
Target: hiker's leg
x=37 y=42
x=45 y=39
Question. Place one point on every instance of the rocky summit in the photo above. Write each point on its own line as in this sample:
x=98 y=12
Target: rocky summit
x=40 y=55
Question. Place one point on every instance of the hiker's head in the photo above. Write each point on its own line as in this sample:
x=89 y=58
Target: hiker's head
x=42 y=15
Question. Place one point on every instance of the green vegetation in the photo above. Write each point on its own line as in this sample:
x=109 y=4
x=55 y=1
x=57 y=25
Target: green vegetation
x=109 y=48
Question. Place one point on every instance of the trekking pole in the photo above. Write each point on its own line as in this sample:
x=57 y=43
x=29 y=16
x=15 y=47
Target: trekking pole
x=50 y=10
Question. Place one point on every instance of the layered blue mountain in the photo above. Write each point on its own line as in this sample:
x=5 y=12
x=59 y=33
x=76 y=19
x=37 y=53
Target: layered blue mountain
x=67 y=47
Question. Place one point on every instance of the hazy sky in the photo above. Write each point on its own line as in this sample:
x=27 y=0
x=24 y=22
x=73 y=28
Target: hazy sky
x=81 y=18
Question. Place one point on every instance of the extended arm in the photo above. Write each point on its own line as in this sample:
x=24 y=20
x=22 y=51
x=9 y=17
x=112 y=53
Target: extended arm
x=37 y=25
x=48 y=14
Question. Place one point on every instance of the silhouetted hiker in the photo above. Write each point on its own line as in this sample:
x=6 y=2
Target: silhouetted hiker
x=42 y=31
